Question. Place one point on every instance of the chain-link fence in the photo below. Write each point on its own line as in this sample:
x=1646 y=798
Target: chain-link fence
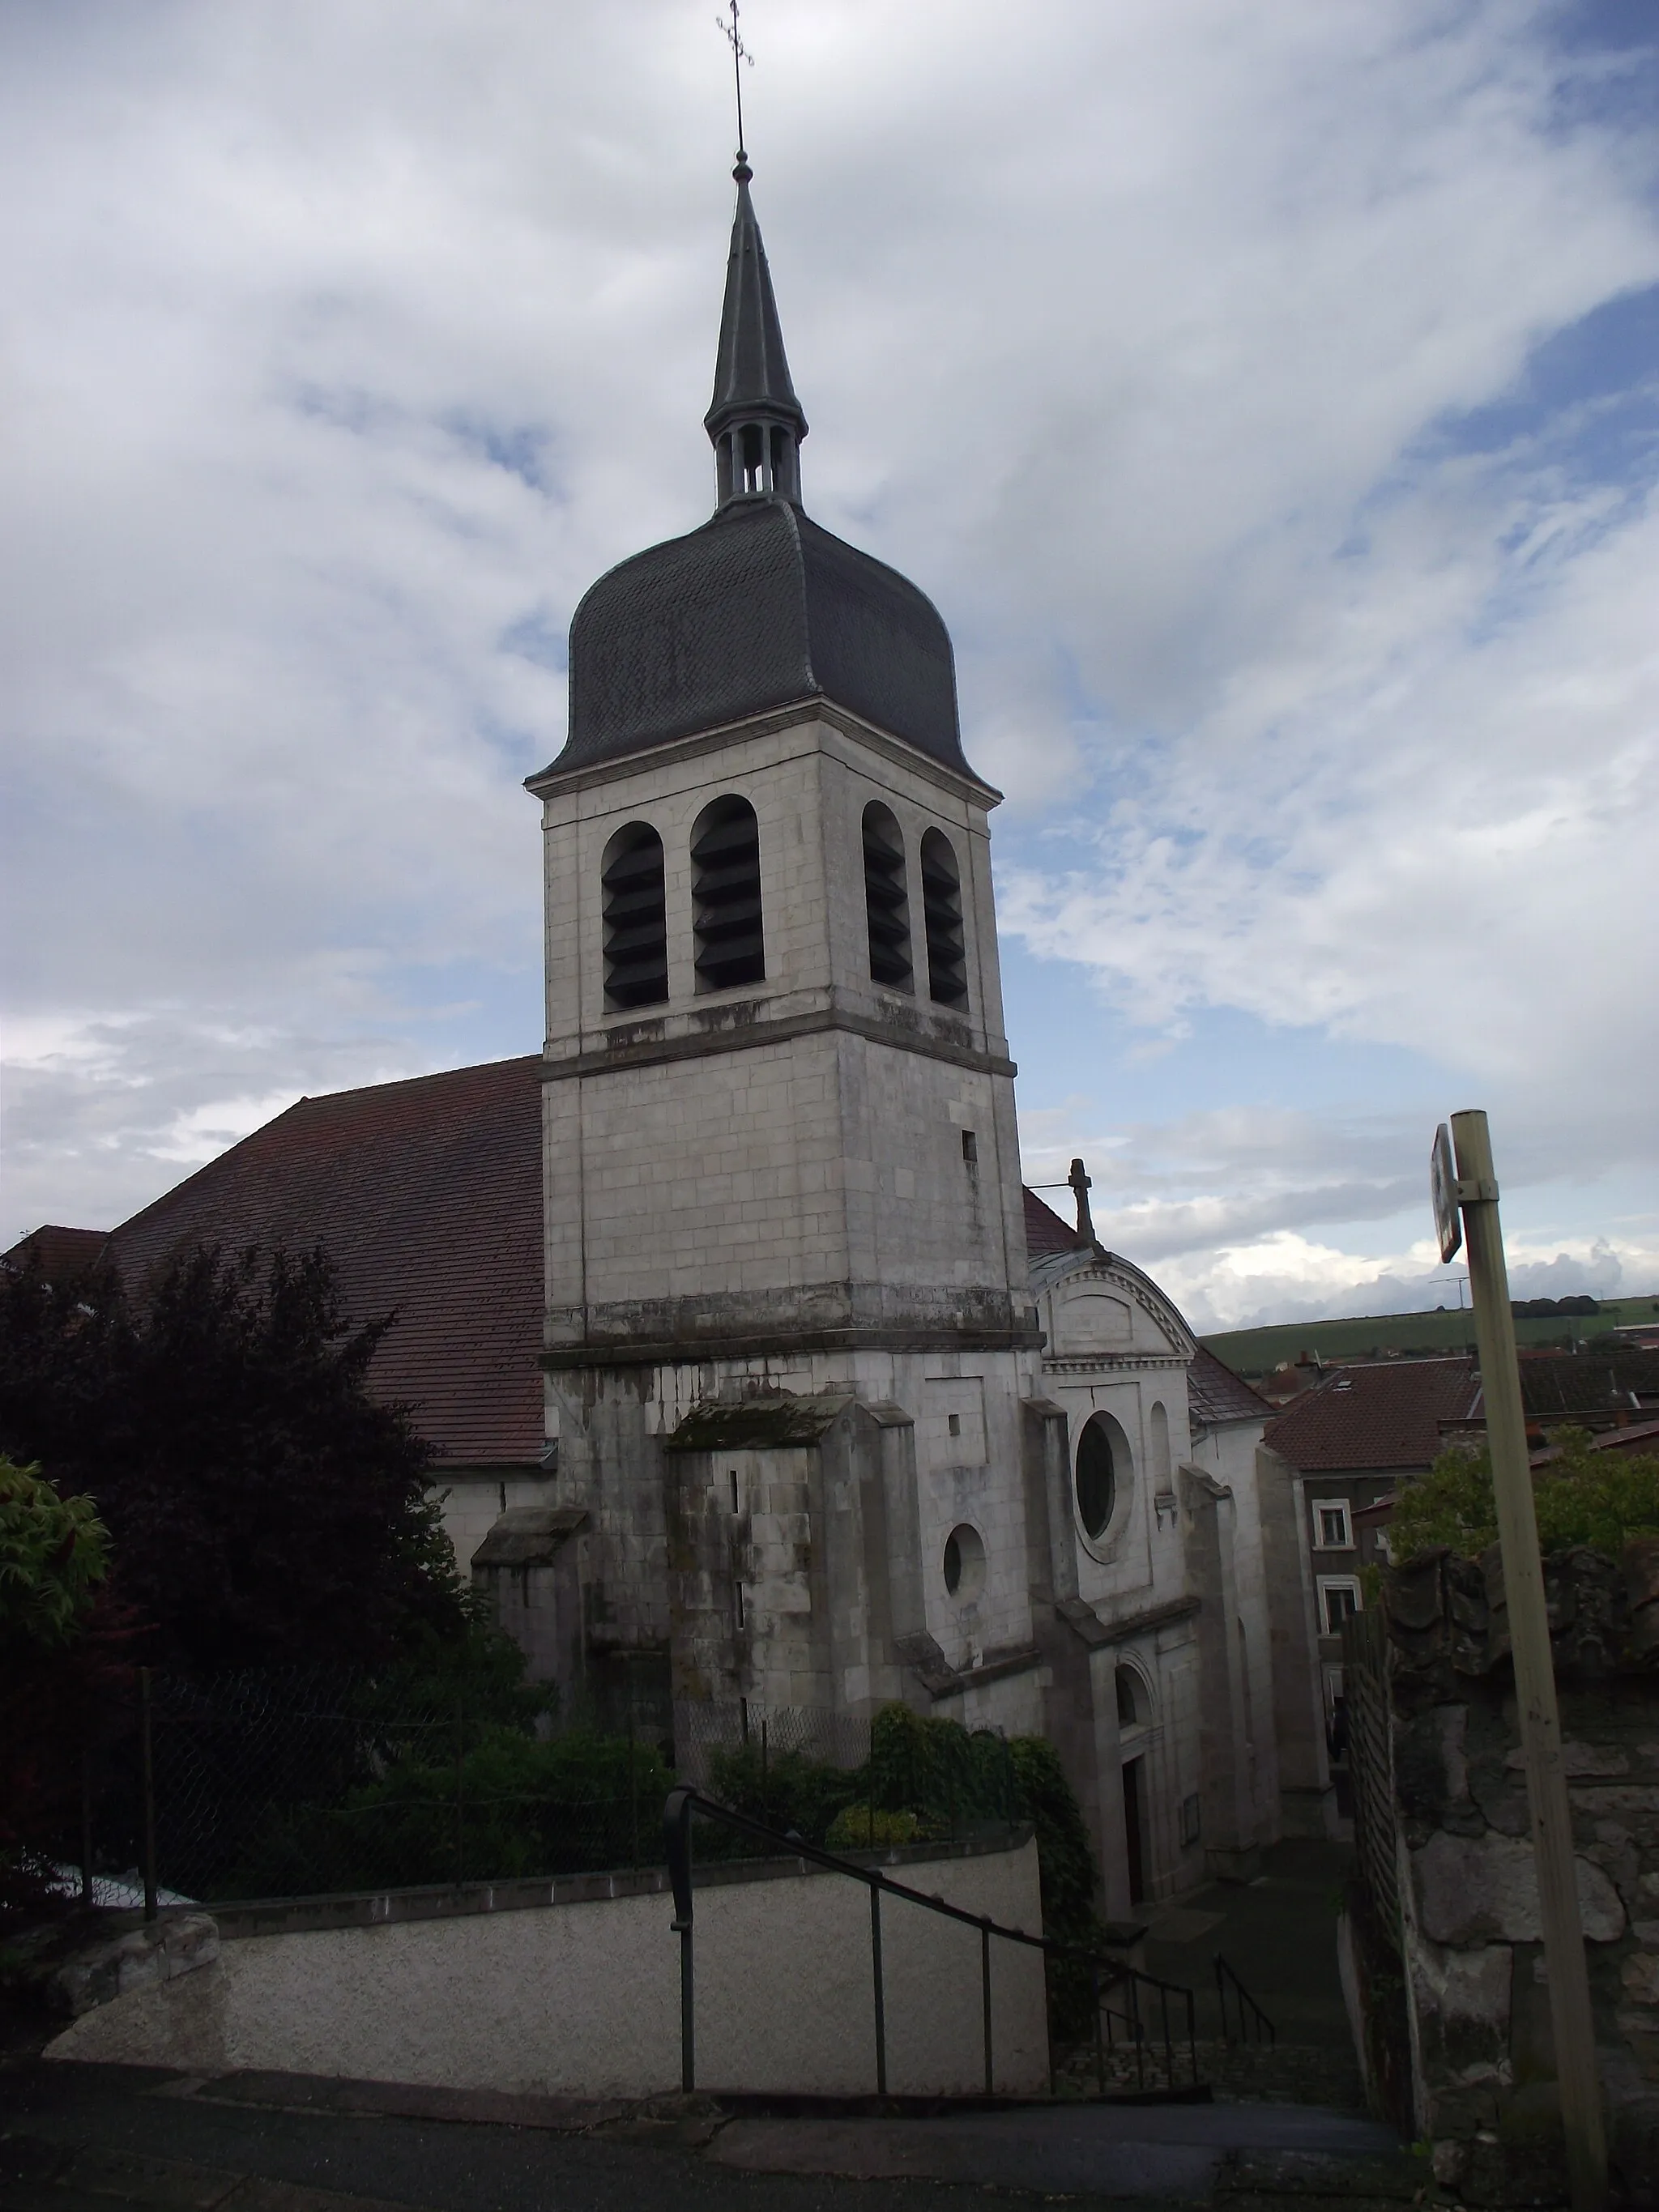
x=704 y=1731
x=302 y=1783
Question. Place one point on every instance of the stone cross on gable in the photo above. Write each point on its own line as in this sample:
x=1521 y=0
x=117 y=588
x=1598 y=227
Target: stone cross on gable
x=1080 y=1186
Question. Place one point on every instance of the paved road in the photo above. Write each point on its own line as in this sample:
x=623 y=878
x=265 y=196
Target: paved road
x=87 y=2139
x=1278 y=1932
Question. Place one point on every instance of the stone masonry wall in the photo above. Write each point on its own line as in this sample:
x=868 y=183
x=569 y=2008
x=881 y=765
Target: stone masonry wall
x=1482 y=2053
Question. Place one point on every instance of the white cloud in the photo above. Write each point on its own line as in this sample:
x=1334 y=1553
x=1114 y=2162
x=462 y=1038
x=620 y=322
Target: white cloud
x=345 y=346
x=1286 y=1277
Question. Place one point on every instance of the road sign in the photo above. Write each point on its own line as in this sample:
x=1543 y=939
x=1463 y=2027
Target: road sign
x=1442 y=1183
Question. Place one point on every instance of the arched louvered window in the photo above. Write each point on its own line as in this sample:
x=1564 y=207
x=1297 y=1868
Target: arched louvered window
x=885 y=900
x=725 y=891
x=941 y=906
x=636 y=925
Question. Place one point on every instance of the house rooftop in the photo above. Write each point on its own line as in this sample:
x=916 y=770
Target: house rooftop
x=63 y=1254
x=1045 y=1230
x=1386 y=1414
x=1215 y=1395
x=427 y=1194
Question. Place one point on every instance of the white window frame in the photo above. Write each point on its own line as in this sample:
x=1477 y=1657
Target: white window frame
x=1342 y=1505
x=1328 y=1584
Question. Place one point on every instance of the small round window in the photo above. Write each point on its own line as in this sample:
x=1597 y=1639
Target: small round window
x=1097 y=1478
x=964 y=1563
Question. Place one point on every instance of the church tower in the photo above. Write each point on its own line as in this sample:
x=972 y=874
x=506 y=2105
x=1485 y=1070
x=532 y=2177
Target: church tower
x=787 y=1335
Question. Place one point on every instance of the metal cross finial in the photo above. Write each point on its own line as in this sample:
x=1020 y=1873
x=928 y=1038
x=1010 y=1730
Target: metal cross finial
x=740 y=54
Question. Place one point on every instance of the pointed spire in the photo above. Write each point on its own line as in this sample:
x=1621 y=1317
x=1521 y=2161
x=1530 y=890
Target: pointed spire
x=754 y=420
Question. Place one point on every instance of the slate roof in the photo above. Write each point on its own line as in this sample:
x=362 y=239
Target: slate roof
x=1554 y=1384
x=64 y=1253
x=751 y=374
x=1215 y=1394
x=1382 y=1415
x=1045 y=1231
x=758 y=608
x=428 y=1195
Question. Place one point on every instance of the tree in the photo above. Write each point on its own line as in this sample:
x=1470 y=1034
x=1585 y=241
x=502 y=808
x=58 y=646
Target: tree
x=261 y=1506
x=61 y=1645
x=1601 y=1498
x=54 y=1552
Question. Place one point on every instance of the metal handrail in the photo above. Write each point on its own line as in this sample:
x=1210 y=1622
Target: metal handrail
x=1254 y=2025
x=1106 y=1972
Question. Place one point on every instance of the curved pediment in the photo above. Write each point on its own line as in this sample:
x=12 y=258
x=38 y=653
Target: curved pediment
x=1102 y=1308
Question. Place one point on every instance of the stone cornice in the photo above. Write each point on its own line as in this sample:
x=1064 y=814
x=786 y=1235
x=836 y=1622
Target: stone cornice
x=622 y=1352
x=798 y=712
x=1085 y=1622
x=1091 y=1363
x=655 y=1052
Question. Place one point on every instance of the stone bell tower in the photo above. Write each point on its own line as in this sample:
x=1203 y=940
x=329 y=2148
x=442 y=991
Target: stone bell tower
x=787 y=1334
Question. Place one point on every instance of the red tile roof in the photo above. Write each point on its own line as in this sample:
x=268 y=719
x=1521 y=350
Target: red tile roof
x=428 y=1196
x=1215 y=1394
x=1382 y=1415
x=1045 y=1231
x=63 y=1253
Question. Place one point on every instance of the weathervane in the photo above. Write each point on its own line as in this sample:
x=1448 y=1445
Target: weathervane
x=740 y=54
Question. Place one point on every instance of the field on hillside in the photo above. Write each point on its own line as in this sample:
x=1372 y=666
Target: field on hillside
x=1259 y=1351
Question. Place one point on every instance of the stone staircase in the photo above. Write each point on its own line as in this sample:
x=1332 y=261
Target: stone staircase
x=1246 y=2073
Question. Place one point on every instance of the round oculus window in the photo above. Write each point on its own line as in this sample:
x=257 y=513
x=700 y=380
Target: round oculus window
x=1097 y=1478
x=964 y=1563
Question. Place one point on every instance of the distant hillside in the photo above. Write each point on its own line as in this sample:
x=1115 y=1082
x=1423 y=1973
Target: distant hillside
x=1255 y=1352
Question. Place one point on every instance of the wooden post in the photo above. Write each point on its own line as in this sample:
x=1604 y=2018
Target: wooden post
x=1582 y=2115
x=86 y=1822
x=460 y=1788
x=147 y=1749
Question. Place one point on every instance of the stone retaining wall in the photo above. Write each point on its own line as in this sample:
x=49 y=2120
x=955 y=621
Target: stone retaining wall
x=1483 y=2062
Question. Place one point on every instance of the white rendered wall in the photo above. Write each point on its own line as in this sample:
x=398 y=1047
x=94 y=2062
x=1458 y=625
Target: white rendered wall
x=583 y=1999
x=472 y=1501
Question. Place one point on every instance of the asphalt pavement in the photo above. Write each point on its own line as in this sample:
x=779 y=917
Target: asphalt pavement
x=77 y=2138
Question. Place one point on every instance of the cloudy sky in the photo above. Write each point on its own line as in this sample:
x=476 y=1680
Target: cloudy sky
x=1269 y=396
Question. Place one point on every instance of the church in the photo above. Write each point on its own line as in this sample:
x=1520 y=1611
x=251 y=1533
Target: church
x=801 y=1403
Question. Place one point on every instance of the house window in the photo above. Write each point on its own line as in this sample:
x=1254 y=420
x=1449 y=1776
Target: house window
x=1339 y=1601
x=635 y=924
x=1130 y=1701
x=941 y=907
x=726 y=893
x=1330 y=1519
x=886 y=901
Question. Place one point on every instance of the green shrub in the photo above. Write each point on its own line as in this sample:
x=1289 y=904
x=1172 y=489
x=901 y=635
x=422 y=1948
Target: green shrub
x=869 y=1828
x=1598 y=1498
x=580 y=1804
x=783 y=1790
x=954 y=1777
x=926 y=1779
